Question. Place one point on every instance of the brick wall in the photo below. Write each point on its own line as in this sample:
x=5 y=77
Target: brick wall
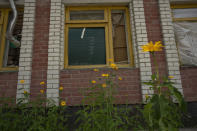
x=8 y=84
x=153 y=25
x=74 y=81
x=189 y=83
x=151 y=21
x=40 y=46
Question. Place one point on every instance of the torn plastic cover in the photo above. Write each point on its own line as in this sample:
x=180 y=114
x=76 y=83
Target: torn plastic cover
x=186 y=38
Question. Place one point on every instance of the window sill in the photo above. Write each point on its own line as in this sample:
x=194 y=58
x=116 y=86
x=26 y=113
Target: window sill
x=125 y=66
x=187 y=66
x=9 y=69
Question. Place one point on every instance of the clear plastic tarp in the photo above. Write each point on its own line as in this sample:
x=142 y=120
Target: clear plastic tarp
x=186 y=38
x=185 y=13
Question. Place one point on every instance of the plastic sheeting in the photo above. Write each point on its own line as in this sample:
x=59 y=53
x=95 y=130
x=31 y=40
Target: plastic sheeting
x=186 y=38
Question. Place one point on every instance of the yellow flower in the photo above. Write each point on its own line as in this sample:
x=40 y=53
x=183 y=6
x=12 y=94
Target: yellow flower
x=105 y=75
x=150 y=47
x=104 y=85
x=116 y=68
x=42 y=91
x=61 y=88
x=170 y=77
x=157 y=46
x=113 y=66
x=42 y=83
x=25 y=92
x=120 y=78
x=63 y=103
x=22 y=81
x=93 y=81
x=96 y=70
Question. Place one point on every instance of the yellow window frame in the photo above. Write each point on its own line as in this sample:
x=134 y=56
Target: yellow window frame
x=108 y=34
x=185 y=6
x=3 y=29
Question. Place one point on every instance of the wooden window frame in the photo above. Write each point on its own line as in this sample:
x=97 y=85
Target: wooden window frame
x=3 y=29
x=185 y=6
x=108 y=34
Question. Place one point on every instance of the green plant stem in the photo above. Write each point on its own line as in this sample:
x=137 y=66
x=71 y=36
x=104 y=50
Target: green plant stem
x=157 y=73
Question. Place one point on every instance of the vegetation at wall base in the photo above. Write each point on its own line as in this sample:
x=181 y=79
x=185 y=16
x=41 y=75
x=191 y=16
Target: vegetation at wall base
x=163 y=110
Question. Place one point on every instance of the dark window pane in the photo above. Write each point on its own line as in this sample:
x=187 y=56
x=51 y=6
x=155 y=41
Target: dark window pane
x=86 y=46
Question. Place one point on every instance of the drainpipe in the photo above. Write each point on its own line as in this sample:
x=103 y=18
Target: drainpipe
x=9 y=35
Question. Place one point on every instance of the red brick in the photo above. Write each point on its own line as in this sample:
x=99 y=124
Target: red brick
x=40 y=47
x=189 y=83
x=74 y=81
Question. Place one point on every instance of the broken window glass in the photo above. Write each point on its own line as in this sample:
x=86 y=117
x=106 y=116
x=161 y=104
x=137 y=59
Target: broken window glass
x=11 y=53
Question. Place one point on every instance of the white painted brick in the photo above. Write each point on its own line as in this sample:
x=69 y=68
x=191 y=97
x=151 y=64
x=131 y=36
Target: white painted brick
x=26 y=51
x=170 y=48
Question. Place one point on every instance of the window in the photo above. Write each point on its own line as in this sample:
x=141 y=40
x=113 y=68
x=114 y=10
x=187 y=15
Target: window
x=185 y=28
x=93 y=35
x=9 y=54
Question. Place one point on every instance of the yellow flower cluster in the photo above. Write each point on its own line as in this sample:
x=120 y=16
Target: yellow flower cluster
x=104 y=85
x=25 y=92
x=114 y=66
x=105 y=75
x=93 y=81
x=42 y=83
x=61 y=88
x=22 y=81
x=41 y=91
x=170 y=77
x=120 y=78
x=150 y=47
x=96 y=70
x=63 y=103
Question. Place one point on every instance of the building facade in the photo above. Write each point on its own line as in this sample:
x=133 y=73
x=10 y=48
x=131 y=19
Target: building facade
x=62 y=41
